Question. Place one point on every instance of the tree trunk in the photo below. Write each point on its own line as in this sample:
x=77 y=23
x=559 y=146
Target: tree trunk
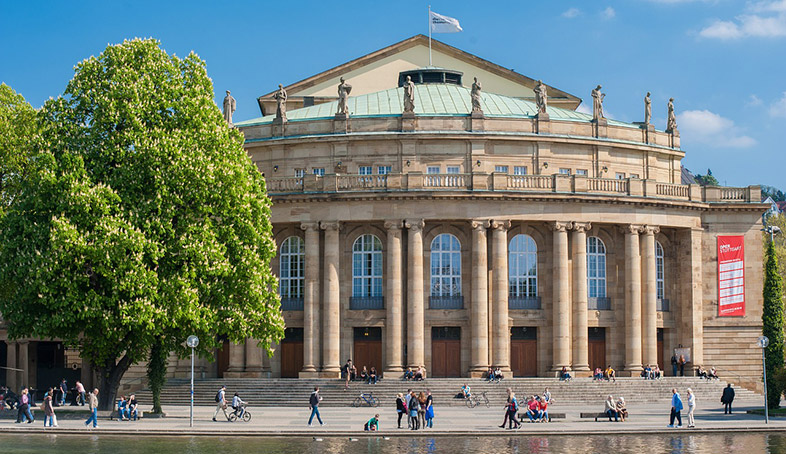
x=109 y=378
x=156 y=372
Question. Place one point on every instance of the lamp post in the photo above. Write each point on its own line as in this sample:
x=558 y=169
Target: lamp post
x=192 y=342
x=772 y=230
x=763 y=342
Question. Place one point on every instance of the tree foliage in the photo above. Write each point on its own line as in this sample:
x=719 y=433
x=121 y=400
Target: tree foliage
x=707 y=180
x=19 y=134
x=772 y=321
x=779 y=221
x=770 y=191
x=144 y=222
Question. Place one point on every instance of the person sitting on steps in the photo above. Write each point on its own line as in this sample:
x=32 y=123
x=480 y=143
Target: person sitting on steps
x=465 y=390
x=408 y=374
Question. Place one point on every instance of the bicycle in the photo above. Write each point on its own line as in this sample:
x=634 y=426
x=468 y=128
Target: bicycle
x=476 y=399
x=365 y=399
x=233 y=416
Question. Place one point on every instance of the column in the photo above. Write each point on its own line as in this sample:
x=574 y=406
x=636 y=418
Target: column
x=499 y=254
x=253 y=359
x=311 y=300
x=331 y=303
x=632 y=300
x=393 y=301
x=23 y=363
x=415 y=307
x=479 y=321
x=649 y=326
x=580 y=335
x=11 y=375
x=561 y=296
x=237 y=362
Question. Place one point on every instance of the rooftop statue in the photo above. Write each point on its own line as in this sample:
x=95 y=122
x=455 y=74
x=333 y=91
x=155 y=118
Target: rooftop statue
x=343 y=95
x=597 y=103
x=671 y=119
x=281 y=98
x=647 y=109
x=475 y=95
x=541 y=96
x=229 y=108
x=409 y=96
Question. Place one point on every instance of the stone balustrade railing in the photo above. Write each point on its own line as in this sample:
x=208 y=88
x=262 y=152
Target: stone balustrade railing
x=559 y=183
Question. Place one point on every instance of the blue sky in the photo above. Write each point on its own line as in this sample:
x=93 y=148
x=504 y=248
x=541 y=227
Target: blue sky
x=723 y=61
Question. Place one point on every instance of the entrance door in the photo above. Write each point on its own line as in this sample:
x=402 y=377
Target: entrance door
x=524 y=351
x=660 y=348
x=292 y=353
x=597 y=348
x=445 y=352
x=368 y=348
x=222 y=359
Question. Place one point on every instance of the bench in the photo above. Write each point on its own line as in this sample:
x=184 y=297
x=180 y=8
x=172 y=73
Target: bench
x=552 y=415
x=596 y=415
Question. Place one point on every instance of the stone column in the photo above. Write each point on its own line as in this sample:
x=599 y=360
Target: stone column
x=479 y=321
x=580 y=334
x=632 y=300
x=237 y=362
x=561 y=296
x=415 y=306
x=331 y=303
x=393 y=301
x=649 y=327
x=499 y=254
x=23 y=362
x=253 y=359
x=311 y=301
x=12 y=381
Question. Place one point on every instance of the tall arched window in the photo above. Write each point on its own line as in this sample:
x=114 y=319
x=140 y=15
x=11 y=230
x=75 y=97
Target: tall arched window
x=367 y=267
x=292 y=259
x=523 y=267
x=445 y=266
x=659 y=279
x=596 y=268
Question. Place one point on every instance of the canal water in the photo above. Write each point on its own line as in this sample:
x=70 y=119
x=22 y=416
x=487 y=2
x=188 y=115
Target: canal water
x=748 y=443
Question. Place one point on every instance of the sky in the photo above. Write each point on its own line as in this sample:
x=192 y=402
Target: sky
x=723 y=61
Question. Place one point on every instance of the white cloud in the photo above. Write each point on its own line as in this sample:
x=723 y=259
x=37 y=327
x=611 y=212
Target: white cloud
x=754 y=101
x=768 y=20
x=571 y=13
x=770 y=6
x=710 y=128
x=721 y=30
x=778 y=108
x=608 y=13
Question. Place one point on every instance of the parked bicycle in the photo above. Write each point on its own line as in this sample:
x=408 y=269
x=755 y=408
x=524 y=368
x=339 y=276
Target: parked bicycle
x=477 y=399
x=234 y=415
x=365 y=399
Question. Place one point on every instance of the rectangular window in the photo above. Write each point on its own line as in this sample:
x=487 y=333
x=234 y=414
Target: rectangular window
x=384 y=170
x=619 y=176
x=501 y=169
x=582 y=172
x=564 y=171
x=319 y=171
x=634 y=175
x=520 y=170
x=454 y=169
x=300 y=173
x=365 y=170
x=432 y=169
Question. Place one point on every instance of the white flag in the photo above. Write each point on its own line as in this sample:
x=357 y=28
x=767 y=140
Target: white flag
x=444 y=24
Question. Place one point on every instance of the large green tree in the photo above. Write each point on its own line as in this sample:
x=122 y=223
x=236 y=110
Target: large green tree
x=772 y=321
x=19 y=135
x=144 y=222
x=779 y=221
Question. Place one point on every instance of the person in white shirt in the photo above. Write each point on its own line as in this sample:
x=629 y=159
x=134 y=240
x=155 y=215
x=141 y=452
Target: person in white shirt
x=237 y=405
x=221 y=402
x=691 y=408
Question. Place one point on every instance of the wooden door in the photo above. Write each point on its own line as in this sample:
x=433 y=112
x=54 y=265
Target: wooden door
x=292 y=353
x=445 y=352
x=222 y=359
x=660 y=349
x=597 y=354
x=368 y=353
x=524 y=357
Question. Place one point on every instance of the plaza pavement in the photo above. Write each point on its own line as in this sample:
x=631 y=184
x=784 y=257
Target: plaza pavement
x=449 y=421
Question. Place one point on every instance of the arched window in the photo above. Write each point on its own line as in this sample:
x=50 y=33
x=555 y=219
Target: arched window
x=445 y=266
x=367 y=267
x=523 y=267
x=292 y=259
x=596 y=268
x=659 y=279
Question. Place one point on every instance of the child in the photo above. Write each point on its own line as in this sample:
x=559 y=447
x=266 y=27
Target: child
x=372 y=424
x=237 y=405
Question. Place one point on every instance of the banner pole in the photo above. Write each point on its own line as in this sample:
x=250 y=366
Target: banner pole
x=429 y=35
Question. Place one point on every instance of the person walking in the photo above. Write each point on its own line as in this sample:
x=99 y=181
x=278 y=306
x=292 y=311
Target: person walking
x=507 y=405
x=49 y=409
x=727 y=398
x=92 y=406
x=513 y=407
x=23 y=413
x=429 y=410
x=221 y=401
x=676 y=408
x=313 y=402
x=401 y=407
x=80 y=394
x=691 y=408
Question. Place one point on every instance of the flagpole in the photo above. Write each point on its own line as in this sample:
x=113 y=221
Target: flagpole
x=429 y=35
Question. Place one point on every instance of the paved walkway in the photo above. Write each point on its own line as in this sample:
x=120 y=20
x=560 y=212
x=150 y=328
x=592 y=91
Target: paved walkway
x=288 y=421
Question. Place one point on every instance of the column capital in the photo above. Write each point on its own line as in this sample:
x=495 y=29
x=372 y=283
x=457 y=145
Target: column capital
x=479 y=224
x=582 y=227
x=649 y=229
x=499 y=224
x=312 y=226
x=393 y=224
x=330 y=225
x=558 y=226
x=415 y=225
x=630 y=229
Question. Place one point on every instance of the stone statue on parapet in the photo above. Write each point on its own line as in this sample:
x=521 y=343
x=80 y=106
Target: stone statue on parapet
x=541 y=96
x=343 y=95
x=647 y=109
x=597 y=103
x=409 y=96
x=671 y=119
x=229 y=108
x=281 y=99
x=475 y=95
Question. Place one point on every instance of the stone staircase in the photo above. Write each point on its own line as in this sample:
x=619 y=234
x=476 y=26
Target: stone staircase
x=577 y=392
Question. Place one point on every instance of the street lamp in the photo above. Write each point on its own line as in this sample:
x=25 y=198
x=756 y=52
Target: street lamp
x=763 y=342
x=772 y=230
x=192 y=342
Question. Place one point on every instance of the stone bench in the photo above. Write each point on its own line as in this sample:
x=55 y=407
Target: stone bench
x=552 y=415
x=596 y=415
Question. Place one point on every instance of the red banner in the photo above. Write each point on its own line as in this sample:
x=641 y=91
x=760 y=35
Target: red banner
x=731 y=276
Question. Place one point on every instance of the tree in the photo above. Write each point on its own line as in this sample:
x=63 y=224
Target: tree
x=779 y=221
x=769 y=191
x=144 y=222
x=707 y=180
x=18 y=136
x=772 y=321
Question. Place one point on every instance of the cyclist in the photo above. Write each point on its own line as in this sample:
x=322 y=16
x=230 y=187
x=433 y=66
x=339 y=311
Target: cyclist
x=237 y=405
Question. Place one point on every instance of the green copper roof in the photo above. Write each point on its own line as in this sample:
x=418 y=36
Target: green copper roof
x=430 y=100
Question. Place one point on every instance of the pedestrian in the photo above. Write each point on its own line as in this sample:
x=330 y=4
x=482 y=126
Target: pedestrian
x=507 y=405
x=414 y=406
x=681 y=362
x=691 y=408
x=429 y=410
x=674 y=361
x=221 y=401
x=79 y=397
x=422 y=410
x=92 y=405
x=401 y=407
x=676 y=408
x=23 y=413
x=513 y=407
x=406 y=407
x=63 y=391
x=313 y=402
x=49 y=409
x=727 y=398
